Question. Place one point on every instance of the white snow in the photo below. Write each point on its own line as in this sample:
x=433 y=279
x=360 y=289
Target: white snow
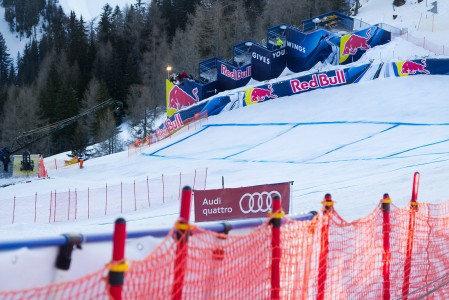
x=355 y=142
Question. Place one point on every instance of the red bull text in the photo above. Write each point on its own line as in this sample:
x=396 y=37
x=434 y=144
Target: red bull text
x=259 y=94
x=169 y=127
x=411 y=67
x=356 y=42
x=236 y=74
x=318 y=81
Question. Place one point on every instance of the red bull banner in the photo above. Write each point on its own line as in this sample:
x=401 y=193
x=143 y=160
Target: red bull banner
x=239 y=203
x=302 y=84
x=267 y=64
x=353 y=46
x=231 y=77
x=178 y=97
x=411 y=67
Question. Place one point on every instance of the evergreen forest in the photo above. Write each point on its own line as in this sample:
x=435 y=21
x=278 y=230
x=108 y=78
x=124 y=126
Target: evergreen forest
x=71 y=64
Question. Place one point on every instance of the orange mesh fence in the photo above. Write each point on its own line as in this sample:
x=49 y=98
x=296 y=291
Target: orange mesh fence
x=193 y=123
x=324 y=258
x=93 y=286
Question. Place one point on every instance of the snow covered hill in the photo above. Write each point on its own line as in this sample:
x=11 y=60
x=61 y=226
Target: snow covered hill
x=350 y=141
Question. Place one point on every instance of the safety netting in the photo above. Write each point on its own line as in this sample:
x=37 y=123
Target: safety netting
x=395 y=253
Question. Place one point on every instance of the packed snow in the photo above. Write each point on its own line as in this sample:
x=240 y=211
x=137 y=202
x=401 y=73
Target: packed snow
x=356 y=142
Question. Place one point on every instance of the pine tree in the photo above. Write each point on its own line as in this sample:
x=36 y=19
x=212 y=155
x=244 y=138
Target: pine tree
x=5 y=62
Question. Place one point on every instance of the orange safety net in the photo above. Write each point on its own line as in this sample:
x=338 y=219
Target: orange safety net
x=324 y=258
x=93 y=286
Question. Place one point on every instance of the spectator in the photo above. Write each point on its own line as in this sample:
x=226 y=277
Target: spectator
x=279 y=42
x=183 y=75
x=4 y=157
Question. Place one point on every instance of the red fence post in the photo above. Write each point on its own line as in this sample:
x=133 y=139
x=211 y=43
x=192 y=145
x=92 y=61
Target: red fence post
x=410 y=237
x=276 y=250
x=324 y=249
x=181 y=236
x=118 y=266
x=386 y=229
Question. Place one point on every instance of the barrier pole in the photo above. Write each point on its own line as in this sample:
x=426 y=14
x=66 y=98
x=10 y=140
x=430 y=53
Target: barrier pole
x=324 y=249
x=410 y=237
x=276 y=250
x=118 y=266
x=386 y=229
x=181 y=236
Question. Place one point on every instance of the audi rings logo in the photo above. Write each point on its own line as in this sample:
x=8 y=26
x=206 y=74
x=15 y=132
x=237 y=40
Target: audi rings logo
x=257 y=202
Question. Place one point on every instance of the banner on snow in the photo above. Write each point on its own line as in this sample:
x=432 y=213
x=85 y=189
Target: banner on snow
x=239 y=203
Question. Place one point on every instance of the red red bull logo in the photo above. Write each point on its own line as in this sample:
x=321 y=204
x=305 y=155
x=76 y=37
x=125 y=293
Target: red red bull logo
x=260 y=94
x=411 y=68
x=356 y=42
x=169 y=126
x=178 y=98
x=318 y=81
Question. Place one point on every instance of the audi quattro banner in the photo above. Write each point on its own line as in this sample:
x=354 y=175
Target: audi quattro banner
x=239 y=203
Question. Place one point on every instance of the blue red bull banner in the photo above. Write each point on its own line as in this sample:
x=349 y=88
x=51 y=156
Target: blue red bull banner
x=305 y=50
x=320 y=80
x=421 y=67
x=267 y=64
x=353 y=46
x=231 y=77
x=303 y=84
x=178 y=97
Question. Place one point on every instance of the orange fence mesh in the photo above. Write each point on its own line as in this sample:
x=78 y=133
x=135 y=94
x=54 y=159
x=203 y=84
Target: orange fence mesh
x=356 y=264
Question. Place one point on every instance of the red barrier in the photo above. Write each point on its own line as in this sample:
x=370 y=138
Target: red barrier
x=386 y=229
x=118 y=265
x=324 y=248
x=410 y=237
x=181 y=236
x=276 y=251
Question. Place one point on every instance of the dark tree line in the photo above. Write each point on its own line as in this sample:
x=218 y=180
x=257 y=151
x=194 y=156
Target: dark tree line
x=122 y=55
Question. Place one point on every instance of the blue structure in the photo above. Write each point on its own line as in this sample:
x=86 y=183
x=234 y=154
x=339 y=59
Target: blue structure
x=331 y=39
